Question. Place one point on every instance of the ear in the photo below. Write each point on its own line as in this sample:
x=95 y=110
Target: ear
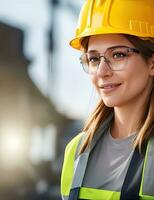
x=151 y=65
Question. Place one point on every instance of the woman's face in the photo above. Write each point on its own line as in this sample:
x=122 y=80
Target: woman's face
x=119 y=88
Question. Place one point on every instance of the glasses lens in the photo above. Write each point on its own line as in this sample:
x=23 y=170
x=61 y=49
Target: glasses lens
x=117 y=57
x=90 y=62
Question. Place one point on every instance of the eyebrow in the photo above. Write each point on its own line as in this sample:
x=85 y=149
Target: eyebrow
x=112 y=47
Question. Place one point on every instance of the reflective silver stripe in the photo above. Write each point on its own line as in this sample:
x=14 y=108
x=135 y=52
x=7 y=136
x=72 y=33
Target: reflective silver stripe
x=80 y=169
x=148 y=181
x=82 y=160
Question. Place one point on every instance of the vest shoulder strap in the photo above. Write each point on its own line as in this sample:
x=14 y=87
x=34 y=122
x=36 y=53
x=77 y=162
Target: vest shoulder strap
x=147 y=185
x=68 y=165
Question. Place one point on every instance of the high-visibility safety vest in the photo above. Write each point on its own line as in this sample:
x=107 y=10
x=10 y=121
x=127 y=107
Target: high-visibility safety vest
x=138 y=183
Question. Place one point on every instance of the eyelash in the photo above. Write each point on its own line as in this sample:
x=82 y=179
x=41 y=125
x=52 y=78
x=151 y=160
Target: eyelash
x=119 y=53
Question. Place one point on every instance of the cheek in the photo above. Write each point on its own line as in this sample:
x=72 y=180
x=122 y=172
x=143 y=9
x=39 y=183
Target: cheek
x=137 y=80
x=137 y=71
x=94 y=81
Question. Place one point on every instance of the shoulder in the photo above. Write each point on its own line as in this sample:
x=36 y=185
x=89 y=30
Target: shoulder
x=68 y=164
x=73 y=144
x=70 y=150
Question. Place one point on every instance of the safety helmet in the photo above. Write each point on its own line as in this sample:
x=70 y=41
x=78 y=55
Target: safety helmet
x=134 y=17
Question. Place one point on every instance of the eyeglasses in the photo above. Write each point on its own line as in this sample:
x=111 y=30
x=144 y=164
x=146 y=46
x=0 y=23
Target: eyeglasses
x=115 y=57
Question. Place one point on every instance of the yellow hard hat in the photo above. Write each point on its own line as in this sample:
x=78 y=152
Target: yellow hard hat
x=134 y=17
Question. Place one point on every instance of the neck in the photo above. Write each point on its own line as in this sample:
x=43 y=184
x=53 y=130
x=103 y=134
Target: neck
x=127 y=119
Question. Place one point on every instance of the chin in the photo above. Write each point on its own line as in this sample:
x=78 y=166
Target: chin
x=111 y=103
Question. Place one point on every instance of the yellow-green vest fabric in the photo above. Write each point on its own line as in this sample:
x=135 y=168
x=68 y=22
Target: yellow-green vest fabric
x=97 y=194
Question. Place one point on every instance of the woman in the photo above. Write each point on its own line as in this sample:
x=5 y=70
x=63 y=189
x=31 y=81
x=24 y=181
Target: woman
x=113 y=158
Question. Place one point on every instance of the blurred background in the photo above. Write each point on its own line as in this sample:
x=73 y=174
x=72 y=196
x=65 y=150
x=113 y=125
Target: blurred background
x=44 y=95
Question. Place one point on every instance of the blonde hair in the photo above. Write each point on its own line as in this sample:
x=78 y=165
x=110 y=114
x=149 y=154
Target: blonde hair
x=101 y=112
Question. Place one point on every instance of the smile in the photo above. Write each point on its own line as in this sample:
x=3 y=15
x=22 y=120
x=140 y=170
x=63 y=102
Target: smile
x=109 y=87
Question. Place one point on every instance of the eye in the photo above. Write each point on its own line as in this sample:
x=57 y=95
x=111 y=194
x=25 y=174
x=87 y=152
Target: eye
x=119 y=55
x=93 y=59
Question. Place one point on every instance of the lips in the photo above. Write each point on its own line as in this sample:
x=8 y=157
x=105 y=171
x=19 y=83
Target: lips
x=109 y=86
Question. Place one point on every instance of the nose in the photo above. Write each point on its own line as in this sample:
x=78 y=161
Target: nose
x=104 y=69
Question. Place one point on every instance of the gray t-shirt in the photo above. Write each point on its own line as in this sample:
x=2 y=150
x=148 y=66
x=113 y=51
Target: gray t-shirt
x=108 y=163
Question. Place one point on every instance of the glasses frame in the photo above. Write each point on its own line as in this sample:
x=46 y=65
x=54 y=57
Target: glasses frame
x=106 y=60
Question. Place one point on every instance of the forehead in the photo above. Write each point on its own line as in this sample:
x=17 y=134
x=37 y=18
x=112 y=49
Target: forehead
x=102 y=42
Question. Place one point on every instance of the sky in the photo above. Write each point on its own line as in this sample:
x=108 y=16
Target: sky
x=71 y=90
x=33 y=17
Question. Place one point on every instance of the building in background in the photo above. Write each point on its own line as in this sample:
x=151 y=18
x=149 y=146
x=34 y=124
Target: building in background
x=33 y=133
x=70 y=87
x=42 y=103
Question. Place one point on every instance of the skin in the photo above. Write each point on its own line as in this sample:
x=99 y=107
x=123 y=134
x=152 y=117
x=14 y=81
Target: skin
x=127 y=91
